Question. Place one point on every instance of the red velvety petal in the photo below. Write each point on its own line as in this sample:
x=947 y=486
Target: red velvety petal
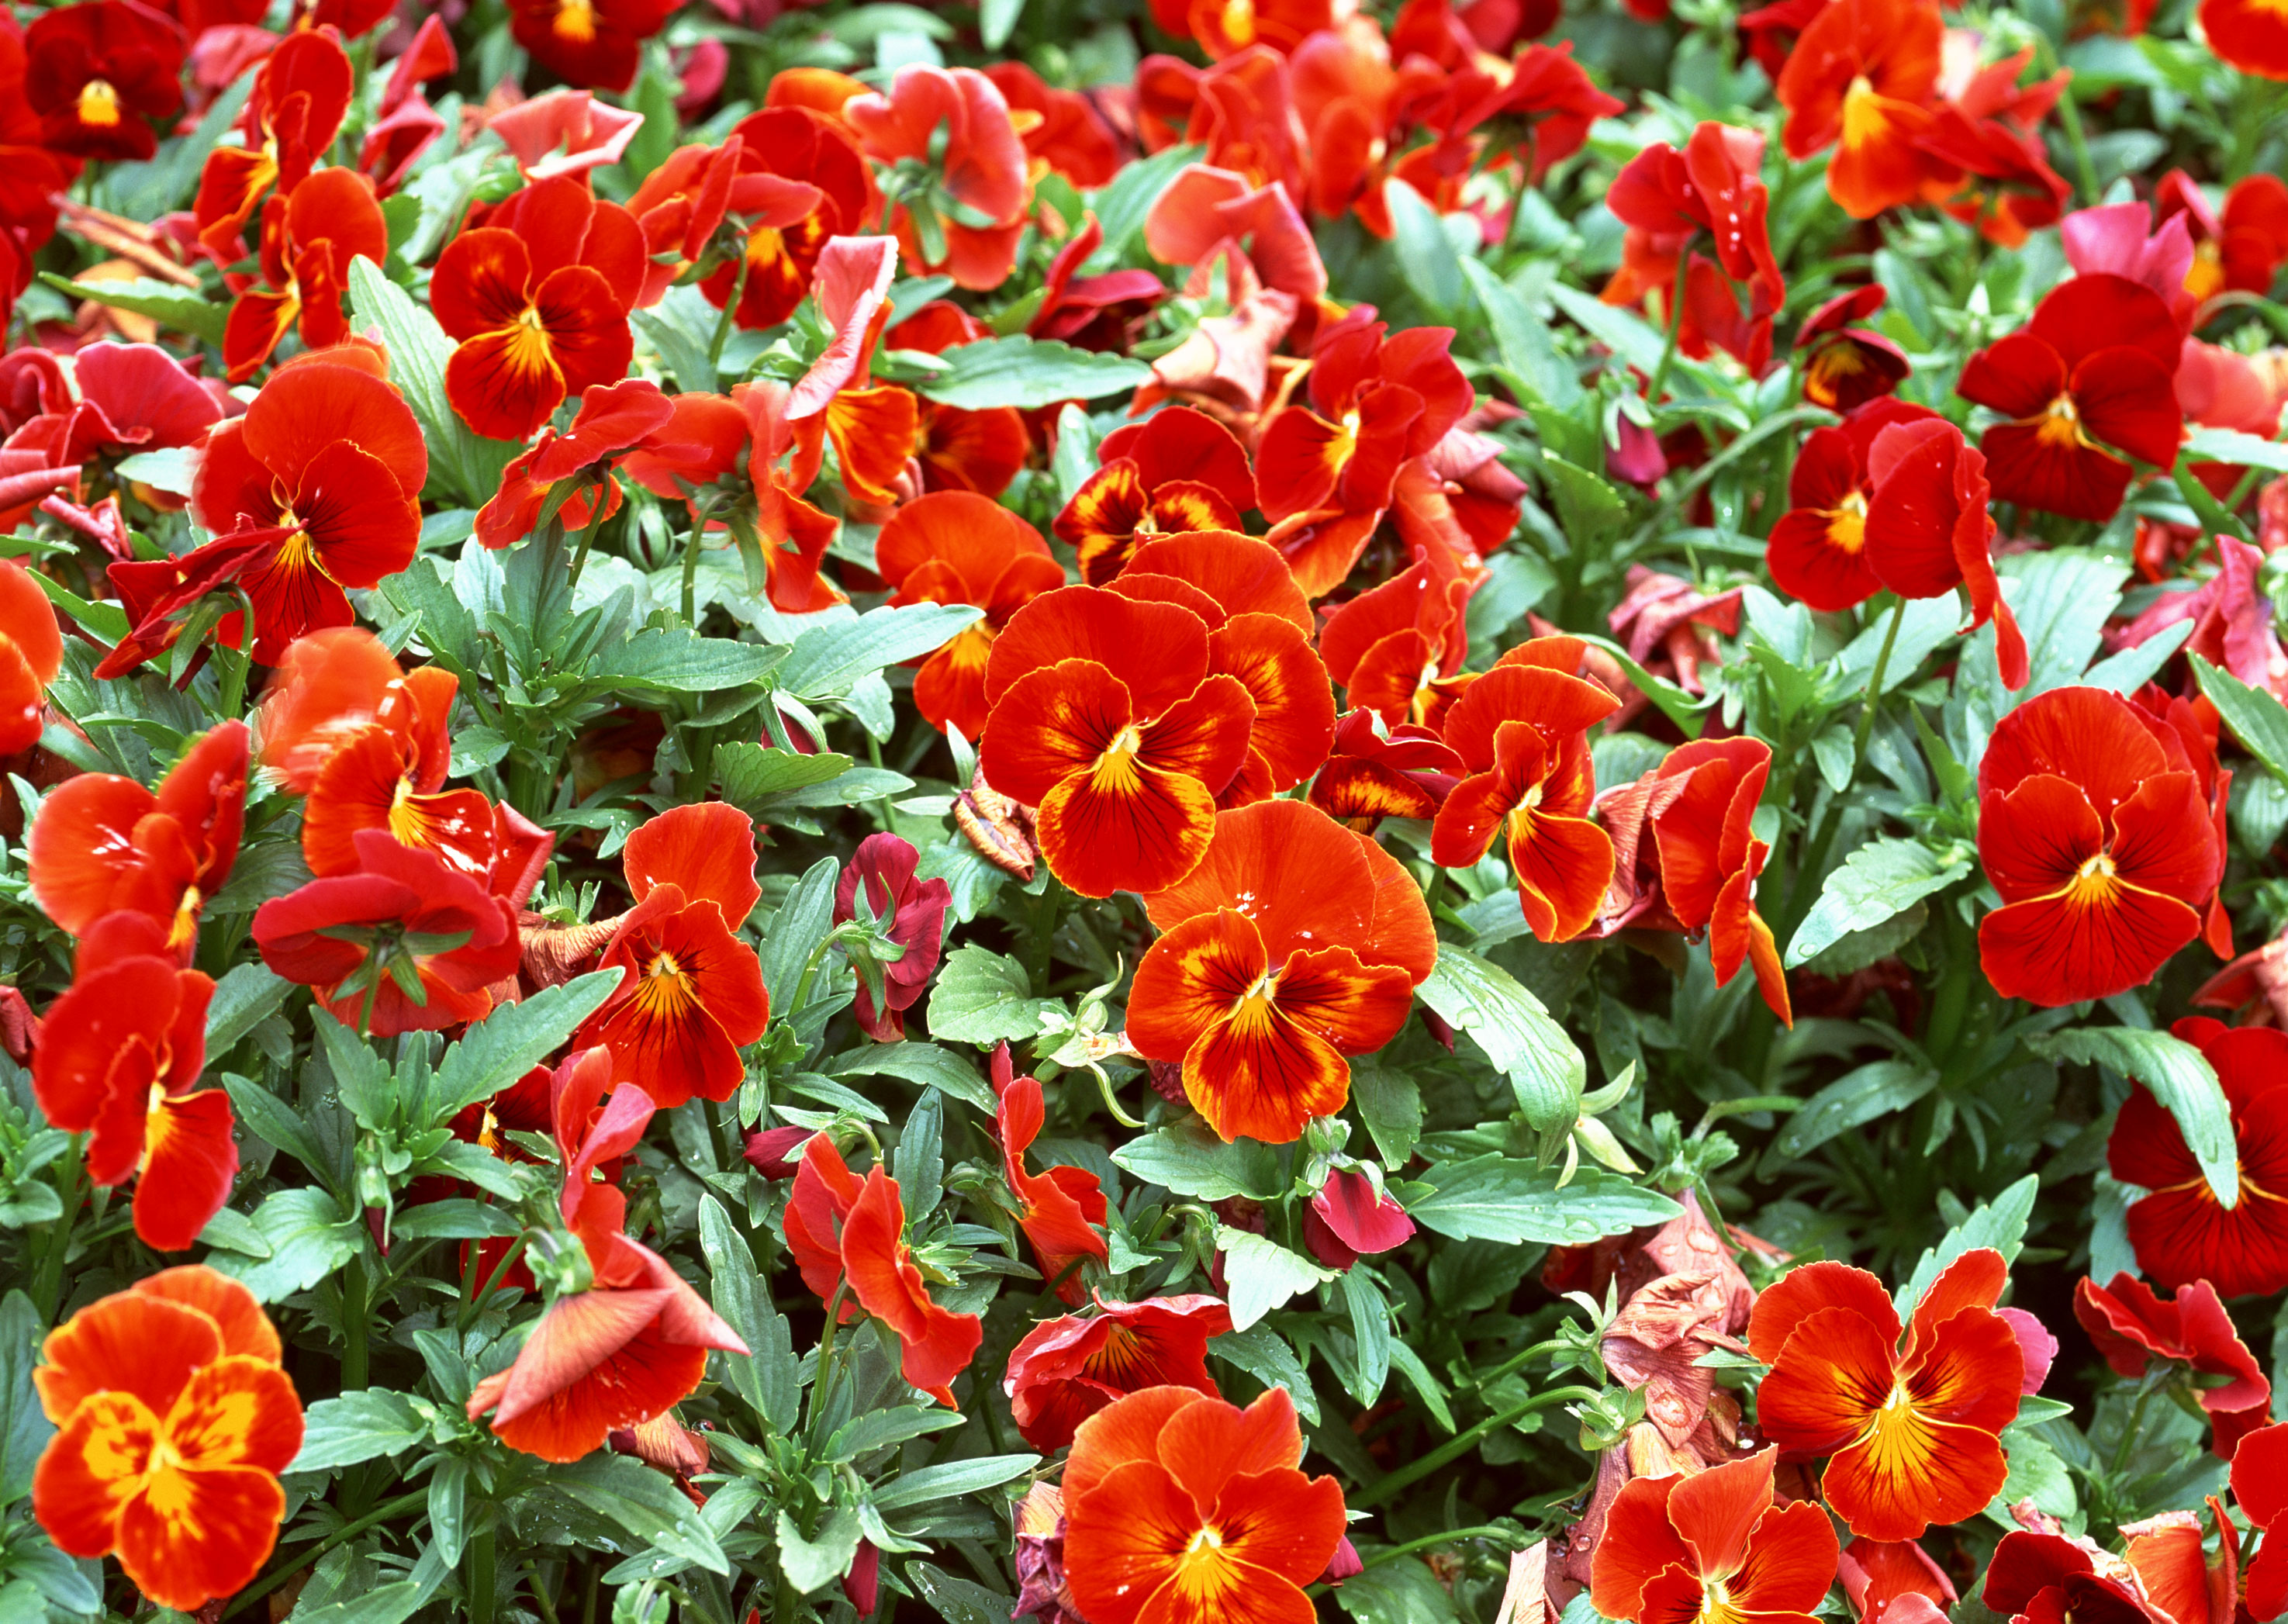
x=189 y=1162
x=1279 y=1522
x=1054 y=722
x=693 y=996
x=2259 y=1477
x=2254 y=38
x=82 y=854
x=706 y=850
x=2181 y=1234
x=144 y=1346
x=2165 y=840
x=1158 y=651
x=2031 y=467
x=1189 y=978
x=1832 y=1377
x=1125 y=1540
x=1640 y=1544
x=2060 y=950
x=1299 y=461
x=1789 y=1563
x=1819 y=556
x=1301 y=878
x=587 y=327
x=1127 y=825
x=1274 y=1061
x=2018 y=375
x=641 y=1381
x=91 y=1470
x=1294 y=705
x=2088 y=736
x=2035 y=839
x=360 y=532
x=481 y=282
x=1912 y=1473
x=313 y=405
x=2128 y=401
x=239 y=1411
x=937 y=1343
x=504 y=383
x=245 y=1327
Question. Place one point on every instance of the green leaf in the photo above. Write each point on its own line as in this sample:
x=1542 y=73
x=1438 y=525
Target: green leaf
x=1188 y=1158
x=185 y=309
x=1390 y=1104
x=1371 y=1332
x=309 y=1237
x=357 y=1426
x=1882 y=878
x=2257 y=719
x=419 y=351
x=2178 y=1075
x=275 y=1122
x=25 y=1428
x=247 y=996
x=389 y=1604
x=796 y=930
x=1546 y=1069
x=768 y=1375
x=1028 y=374
x=1426 y=256
x=645 y=1502
x=1852 y=1100
x=1589 y=511
x=860 y=1437
x=172 y=469
x=513 y=1039
x=454 y=1218
x=922 y=1063
x=827 y=661
x=1999 y=1224
x=754 y=774
x=1259 y=1274
x=996 y=20
x=960 y=1601
x=953 y=1481
x=1264 y=1354
x=811 y=1562
x=1523 y=338
x=1404 y=1592
x=984 y=998
x=2213 y=445
x=677 y=660
x=1495 y=1198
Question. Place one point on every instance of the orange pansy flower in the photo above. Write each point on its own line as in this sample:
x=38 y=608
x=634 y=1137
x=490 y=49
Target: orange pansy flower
x=308 y=239
x=1063 y=1207
x=175 y=1423
x=1178 y=471
x=1712 y=1545
x=954 y=547
x=1860 y=79
x=1710 y=857
x=31 y=654
x=951 y=126
x=800 y=182
x=1293 y=944
x=1066 y=1370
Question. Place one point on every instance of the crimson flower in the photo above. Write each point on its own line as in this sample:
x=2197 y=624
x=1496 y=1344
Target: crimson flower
x=956 y=547
x=1929 y=530
x=1102 y=312
x=1292 y=944
x=612 y=418
x=1849 y=366
x=845 y=1229
x=295 y=110
x=2260 y=1484
x=2181 y=1233
x=2132 y=1326
x=119 y=1058
x=1674 y=1545
x=2085 y=380
x=1710 y=857
x=1913 y=1430
x=1353 y=1217
x=1063 y=1207
x=2162 y=1577
x=594 y=42
x=308 y=239
x=1066 y=1370
x=800 y=181
x=1393 y=646
x=98 y=72
x=2093 y=828
x=908 y=913
x=1177 y=471
x=537 y=298
x=1879 y=1576
x=2240 y=248
x=1665 y=197
x=1818 y=549
x=2246 y=34
x=691 y=994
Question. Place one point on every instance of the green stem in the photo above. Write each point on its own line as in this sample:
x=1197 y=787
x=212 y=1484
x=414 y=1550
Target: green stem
x=1428 y=1540
x=2069 y=115
x=1822 y=838
x=477 y=1575
x=1511 y=1367
x=470 y=1308
x=2213 y=512
x=340 y=1536
x=730 y=313
x=1454 y=1448
x=1866 y=728
x=1675 y=327
x=356 y=1313
x=824 y=1385
x=47 y=1290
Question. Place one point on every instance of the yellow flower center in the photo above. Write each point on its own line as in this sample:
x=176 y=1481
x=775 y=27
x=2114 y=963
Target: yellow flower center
x=1847 y=524
x=2095 y=883
x=665 y=992
x=98 y=104
x=1115 y=770
x=2060 y=423
x=1239 y=21
x=575 y=21
x=186 y=922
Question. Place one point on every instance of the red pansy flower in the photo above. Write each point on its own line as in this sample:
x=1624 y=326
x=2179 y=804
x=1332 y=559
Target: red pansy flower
x=1522 y=731
x=1929 y=530
x=129 y=398
x=2181 y=1233
x=1353 y=1217
x=847 y=1231
x=800 y=181
x=2132 y=1326
x=692 y=994
x=1177 y=471
x=403 y=919
x=2247 y=35
x=564 y=132
x=1063 y=1207
x=2260 y=1484
x=309 y=237
x=119 y=1059
x=1292 y=944
x=1665 y=197
x=2087 y=378
x=1682 y=1546
x=1374 y=772
x=1207 y=213
x=537 y=298
x=612 y=418
x=1913 y=1430
x=2093 y=828
x=102 y=843
x=2240 y=249
x=1392 y=645
x=1069 y=134
x=1860 y=79
x=679 y=205
x=174 y=1421
x=1066 y=1370
x=31 y=654
x=955 y=546
x=592 y=43
x=1180 y=1505
x=1818 y=549
x=98 y=72
x=912 y=913
x=1849 y=366
x=1710 y=857
x=1106 y=718
x=1880 y=1575
x=299 y=98
x=952 y=125
x=1102 y=312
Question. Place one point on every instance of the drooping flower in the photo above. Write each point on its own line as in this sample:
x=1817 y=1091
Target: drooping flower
x=2259 y=1484
x=1860 y=79
x=1710 y=857
x=1106 y=716
x=1522 y=731
x=2085 y=380
x=2132 y=1326
x=31 y=654
x=591 y=43
x=691 y=994
x=845 y=1229
x=911 y=913
x=2181 y=1233
x=174 y=1423
x=956 y=547
x=314 y=490
x=309 y=237
x=1929 y=530
x=1180 y=1505
x=1846 y=367
x=1818 y=549
x=537 y=298
x=1064 y=1206
x=1665 y=197
x=1178 y=471
x=102 y=843
x=1293 y=944
x=1066 y=1370
x=98 y=73
x=1104 y=311
x=2093 y=828
x=1911 y=1431
x=292 y=115
x=1353 y=1217
x=402 y=920
x=952 y=128
x=565 y=132
x=1372 y=773
x=119 y=1058
x=1393 y=646
x=1680 y=1546
x=612 y=418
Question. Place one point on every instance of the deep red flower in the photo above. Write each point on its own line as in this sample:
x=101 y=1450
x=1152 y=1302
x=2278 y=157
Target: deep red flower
x=128 y=398
x=952 y=125
x=2093 y=828
x=1098 y=311
x=911 y=913
x=403 y=918
x=1522 y=731
x=1818 y=549
x=1860 y=79
x=537 y=298
x=800 y=181
x=1913 y=1430
x=612 y=418
x=1353 y=1217
x=295 y=110
x=844 y=1230
x=1849 y=366
x=691 y=993
x=2132 y=1326
x=308 y=239
x=1710 y=857
x=1178 y=471
x=1064 y=1207
x=1667 y=196
x=2179 y=1231
x=2260 y=1484
x=2087 y=379
x=955 y=546
x=101 y=843
x=119 y=1058
x=1374 y=772
x=1292 y=944
x=1066 y=1370
x=98 y=72
x=1674 y=1545
x=1929 y=529
x=594 y=42
x=2241 y=248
